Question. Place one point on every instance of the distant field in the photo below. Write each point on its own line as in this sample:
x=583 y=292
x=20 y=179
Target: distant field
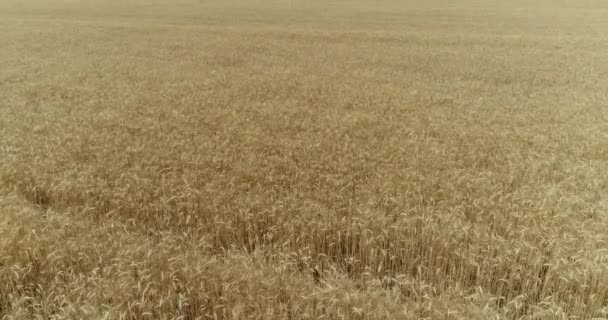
x=303 y=159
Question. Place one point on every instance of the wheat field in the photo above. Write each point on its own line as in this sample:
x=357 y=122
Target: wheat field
x=303 y=159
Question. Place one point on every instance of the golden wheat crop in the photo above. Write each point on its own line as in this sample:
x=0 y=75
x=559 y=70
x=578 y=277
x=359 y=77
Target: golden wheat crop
x=301 y=159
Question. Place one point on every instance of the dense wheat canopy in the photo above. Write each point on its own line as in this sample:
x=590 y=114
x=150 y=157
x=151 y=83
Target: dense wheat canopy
x=265 y=159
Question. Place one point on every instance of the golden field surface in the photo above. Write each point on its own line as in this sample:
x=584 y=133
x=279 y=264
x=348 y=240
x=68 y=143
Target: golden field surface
x=303 y=159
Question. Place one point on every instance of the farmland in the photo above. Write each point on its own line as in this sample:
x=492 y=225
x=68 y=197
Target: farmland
x=303 y=159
